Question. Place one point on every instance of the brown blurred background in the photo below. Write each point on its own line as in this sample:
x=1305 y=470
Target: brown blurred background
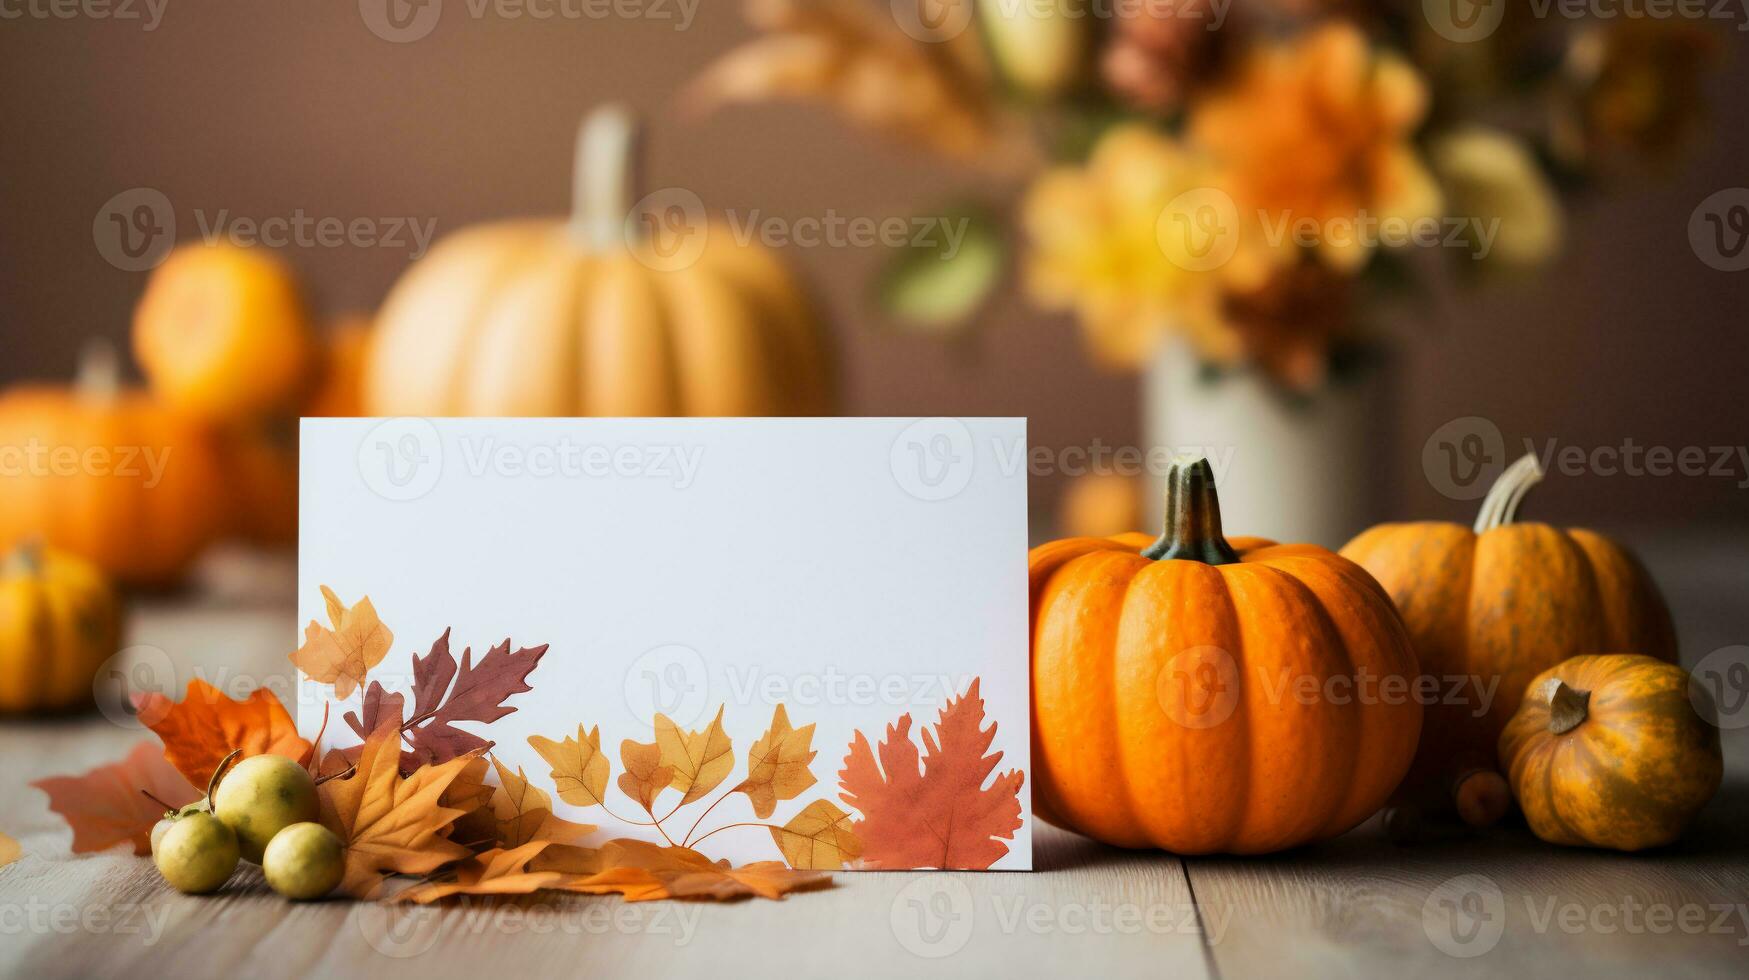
x=268 y=108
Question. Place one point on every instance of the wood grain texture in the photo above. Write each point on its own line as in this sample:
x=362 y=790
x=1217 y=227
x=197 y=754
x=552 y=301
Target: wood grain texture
x=1356 y=906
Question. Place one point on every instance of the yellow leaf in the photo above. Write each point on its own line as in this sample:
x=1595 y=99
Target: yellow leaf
x=496 y=872
x=524 y=815
x=9 y=850
x=818 y=837
x=390 y=823
x=579 y=767
x=701 y=760
x=645 y=777
x=642 y=872
x=777 y=768
x=342 y=655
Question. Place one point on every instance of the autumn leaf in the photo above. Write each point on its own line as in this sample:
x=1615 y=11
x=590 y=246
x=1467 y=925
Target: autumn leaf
x=496 y=872
x=9 y=850
x=579 y=768
x=106 y=806
x=645 y=776
x=343 y=654
x=818 y=838
x=642 y=872
x=700 y=760
x=478 y=695
x=777 y=767
x=524 y=814
x=207 y=726
x=390 y=823
x=940 y=815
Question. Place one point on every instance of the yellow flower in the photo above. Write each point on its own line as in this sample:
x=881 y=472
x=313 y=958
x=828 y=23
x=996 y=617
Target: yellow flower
x=1108 y=243
x=1495 y=183
x=1317 y=129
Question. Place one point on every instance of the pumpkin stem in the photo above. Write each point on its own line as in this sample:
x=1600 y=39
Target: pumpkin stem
x=602 y=181
x=1568 y=708
x=1500 y=507
x=99 y=377
x=1193 y=517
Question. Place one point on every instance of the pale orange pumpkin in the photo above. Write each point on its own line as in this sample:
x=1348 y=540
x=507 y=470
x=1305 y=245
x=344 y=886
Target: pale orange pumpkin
x=222 y=334
x=1201 y=695
x=59 y=622
x=1490 y=607
x=108 y=474
x=588 y=316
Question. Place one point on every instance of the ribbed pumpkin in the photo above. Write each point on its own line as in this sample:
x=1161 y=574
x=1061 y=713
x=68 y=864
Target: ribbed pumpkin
x=1490 y=607
x=1201 y=695
x=1608 y=751
x=108 y=474
x=59 y=621
x=589 y=317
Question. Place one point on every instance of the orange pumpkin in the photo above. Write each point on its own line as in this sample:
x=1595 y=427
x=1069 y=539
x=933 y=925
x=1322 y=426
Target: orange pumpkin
x=1490 y=607
x=260 y=466
x=1608 y=751
x=59 y=622
x=107 y=474
x=581 y=317
x=1201 y=695
x=222 y=334
x=339 y=392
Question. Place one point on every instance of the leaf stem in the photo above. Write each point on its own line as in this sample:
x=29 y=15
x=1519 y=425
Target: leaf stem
x=707 y=812
x=731 y=826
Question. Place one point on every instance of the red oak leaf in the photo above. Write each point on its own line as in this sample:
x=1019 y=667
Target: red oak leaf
x=940 y=815
x=382 y=708
x=105 y=806
x=207 y=726
x=478 y=694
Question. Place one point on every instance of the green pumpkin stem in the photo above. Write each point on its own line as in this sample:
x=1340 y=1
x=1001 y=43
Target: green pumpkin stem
x=1193 y=517
x=1568 y=708
x=1500 y=507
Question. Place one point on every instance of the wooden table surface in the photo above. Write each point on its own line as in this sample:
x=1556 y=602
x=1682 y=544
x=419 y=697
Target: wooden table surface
x=1500 y=905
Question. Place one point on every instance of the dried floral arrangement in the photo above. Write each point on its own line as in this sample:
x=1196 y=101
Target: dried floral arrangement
x=1310 y=143
x=422 y=810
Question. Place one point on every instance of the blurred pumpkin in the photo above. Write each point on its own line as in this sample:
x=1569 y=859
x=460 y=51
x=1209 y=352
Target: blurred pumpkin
x=1608 y=751
x=222 y=334
x=339 y=390
x=59 y=622
x=1099 y=505
x=1489 y=608
x=260 y=465
x=1204 y=695
x=108 y=474
x=585 y=317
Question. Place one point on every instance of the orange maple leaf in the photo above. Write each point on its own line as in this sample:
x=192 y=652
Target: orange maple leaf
x=939 y=814
x=642 y=872
x=523 y=814
x=496 y=872
x=390 y=823
x=777 y=768
x=106 y=806
x=645 y=776
x=207 y=726
x=10 y=850
x=343 y=654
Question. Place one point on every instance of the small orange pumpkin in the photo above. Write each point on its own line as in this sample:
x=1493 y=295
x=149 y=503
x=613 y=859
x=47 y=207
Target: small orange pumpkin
x=1201 y=695
x=222 y=334
x=1608 y=751
x=108 y=474
x=1491 y=606
x=59 y=622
